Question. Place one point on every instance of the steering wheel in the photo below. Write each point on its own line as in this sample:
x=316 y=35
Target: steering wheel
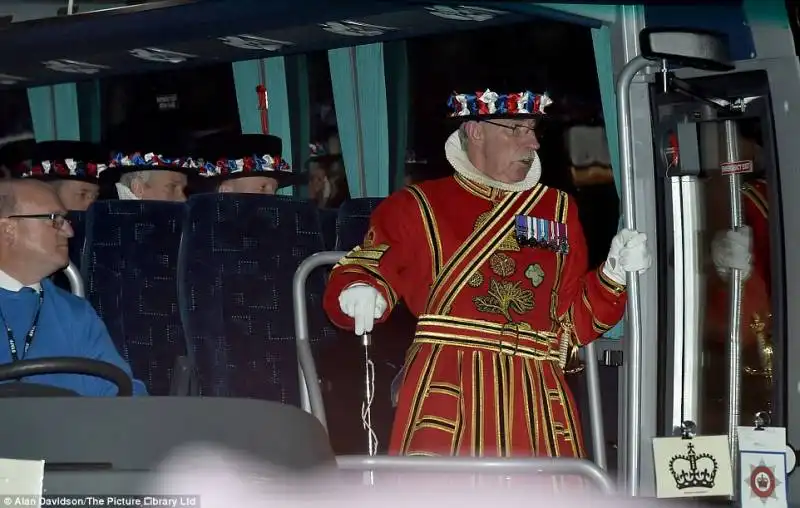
x=59 y=365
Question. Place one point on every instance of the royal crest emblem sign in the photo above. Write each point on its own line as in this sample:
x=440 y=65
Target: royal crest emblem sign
x=696 y=467
x=762 y=462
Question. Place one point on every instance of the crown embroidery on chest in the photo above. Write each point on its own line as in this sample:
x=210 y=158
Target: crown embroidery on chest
x=508 y=243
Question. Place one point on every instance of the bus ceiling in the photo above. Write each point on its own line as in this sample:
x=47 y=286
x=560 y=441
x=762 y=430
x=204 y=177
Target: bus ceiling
x=141 y=37
x=175 y=33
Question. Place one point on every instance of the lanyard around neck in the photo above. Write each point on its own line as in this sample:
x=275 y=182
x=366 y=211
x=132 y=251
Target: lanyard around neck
x=12 y=343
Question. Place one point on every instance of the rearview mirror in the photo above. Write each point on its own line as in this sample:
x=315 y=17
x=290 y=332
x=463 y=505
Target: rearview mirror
x=683 y=47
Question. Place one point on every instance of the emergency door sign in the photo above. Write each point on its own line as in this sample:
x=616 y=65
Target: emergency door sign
x=736 y=167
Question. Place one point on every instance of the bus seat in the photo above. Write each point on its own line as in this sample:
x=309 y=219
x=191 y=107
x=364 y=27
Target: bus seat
x=130 y=272
x=77 y=220
x=235 y=273
x=328 y=218
x=353 y=221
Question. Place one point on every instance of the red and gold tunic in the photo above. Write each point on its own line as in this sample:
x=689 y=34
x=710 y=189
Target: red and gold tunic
x=756 y=215
x=484 y=374
x=756 y=294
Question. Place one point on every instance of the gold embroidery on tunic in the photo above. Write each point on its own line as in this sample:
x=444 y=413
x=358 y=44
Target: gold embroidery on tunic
x=369 y=239
x=475 y=280
x=535 y=274
x=368 y=256
x=502 y=265
x=508 y=243
x=504 y=297
x=523 y=326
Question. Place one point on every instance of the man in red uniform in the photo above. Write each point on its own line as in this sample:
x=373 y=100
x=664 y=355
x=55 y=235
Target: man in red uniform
x=748 y=247
x=494 y=265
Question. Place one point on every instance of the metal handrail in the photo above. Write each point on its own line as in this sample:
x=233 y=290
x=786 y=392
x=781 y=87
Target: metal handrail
x=633 y=339
x=75 y=280
x=311 y=394
x=594 y=400
x=483 y=465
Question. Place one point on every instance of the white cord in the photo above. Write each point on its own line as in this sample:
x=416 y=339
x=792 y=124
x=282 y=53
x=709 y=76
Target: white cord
x=366 y=406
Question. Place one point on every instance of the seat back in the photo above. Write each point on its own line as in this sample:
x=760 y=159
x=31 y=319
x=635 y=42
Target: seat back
x=236 y=268
x=353 y=221
x=130 y=271
x=328 y=218
x=123 y=434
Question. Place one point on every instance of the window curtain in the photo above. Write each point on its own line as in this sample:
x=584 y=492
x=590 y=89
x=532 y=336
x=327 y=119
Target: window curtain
x=54 y=112
x=360 y=98
x=601 y=39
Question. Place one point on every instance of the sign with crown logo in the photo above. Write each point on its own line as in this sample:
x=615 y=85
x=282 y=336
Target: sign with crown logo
x=762 y=462
x=692 y=467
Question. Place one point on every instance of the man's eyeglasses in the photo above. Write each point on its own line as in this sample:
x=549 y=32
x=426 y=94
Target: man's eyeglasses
x=57 y=219
x=516 y=130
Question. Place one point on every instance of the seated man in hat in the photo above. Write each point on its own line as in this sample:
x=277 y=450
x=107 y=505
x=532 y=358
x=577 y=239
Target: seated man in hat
x=155 y=183
x=245 y=163
x=494 y=264
x=40 y=319
x=73 y=168
x=147 y=167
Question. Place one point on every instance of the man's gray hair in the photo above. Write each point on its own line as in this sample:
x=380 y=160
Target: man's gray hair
x=463 y=137
x=128 y=178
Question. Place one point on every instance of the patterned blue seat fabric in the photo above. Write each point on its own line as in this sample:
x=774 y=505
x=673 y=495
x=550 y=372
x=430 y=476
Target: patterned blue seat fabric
x=130 y=270
x=328 y=219
x=237 y=263
x=353 y=221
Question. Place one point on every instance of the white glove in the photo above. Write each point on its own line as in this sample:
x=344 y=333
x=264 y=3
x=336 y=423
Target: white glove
x=731 y=249
x=364 y=304
x=628 y=253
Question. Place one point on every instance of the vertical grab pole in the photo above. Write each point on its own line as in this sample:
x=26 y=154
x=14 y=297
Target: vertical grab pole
x=633 y=339
x=595 y=406
x=731 y=134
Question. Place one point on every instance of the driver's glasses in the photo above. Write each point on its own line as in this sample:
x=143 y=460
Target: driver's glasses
x=57 y=219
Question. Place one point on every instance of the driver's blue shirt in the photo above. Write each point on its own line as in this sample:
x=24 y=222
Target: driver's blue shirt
x=68 y=326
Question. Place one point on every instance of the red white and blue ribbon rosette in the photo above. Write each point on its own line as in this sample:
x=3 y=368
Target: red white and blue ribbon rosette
x=65 y=168
x=492 y=104
x=254 y=164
